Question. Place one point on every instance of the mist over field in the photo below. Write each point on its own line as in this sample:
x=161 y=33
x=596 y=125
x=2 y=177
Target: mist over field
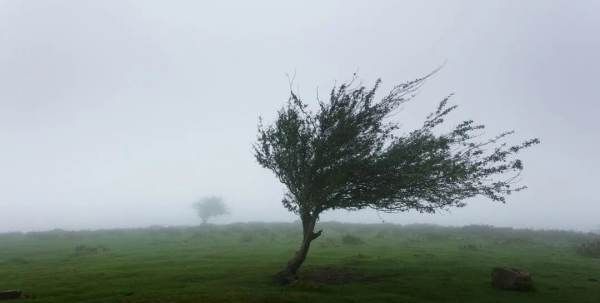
x=124 y=113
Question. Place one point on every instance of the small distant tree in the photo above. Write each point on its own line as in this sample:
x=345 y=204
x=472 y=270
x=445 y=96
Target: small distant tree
x=348 y=154
x=210 y=207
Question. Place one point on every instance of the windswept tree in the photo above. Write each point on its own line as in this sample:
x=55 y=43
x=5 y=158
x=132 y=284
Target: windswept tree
x=209 y=207
x=349 y=154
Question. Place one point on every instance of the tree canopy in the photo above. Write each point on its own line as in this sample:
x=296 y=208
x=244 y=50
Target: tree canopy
x=209 y=207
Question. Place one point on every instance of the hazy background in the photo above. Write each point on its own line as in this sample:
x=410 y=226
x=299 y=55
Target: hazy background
x=123 y=113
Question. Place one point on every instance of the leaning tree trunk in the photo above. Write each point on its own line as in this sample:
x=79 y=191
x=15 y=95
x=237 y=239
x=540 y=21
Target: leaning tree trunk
x=288 y=274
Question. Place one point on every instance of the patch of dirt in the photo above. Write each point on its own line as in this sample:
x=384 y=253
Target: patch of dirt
x=337 y=275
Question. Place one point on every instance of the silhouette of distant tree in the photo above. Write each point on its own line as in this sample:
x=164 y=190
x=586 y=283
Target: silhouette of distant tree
x=209 y=207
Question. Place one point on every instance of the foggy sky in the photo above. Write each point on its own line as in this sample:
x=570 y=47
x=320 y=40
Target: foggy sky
x=123 y=113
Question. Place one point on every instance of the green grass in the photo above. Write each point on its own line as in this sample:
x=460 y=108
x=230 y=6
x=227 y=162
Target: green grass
x=234 y=263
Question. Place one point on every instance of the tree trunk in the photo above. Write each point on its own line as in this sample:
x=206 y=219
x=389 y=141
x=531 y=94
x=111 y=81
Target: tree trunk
x=288 y=274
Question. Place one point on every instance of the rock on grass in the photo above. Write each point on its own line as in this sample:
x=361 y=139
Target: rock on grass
x=511 y=279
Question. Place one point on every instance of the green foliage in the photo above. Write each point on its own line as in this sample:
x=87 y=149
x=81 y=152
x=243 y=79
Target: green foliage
x=348 y=154
x=209 y=207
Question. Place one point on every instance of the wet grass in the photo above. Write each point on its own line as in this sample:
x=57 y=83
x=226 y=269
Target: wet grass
x=234 y=263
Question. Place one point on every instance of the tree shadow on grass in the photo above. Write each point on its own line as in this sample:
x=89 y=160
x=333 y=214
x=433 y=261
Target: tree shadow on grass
x=338 y=275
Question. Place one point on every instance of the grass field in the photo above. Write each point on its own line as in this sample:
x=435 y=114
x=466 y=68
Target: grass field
x=233 y=263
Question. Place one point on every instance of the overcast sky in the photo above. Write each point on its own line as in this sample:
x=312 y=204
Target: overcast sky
x=123 y=113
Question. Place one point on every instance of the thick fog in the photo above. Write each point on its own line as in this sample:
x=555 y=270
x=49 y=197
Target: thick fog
x=123 y=113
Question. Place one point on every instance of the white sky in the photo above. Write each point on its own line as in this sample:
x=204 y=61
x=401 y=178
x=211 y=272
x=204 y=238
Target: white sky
x=122 y=113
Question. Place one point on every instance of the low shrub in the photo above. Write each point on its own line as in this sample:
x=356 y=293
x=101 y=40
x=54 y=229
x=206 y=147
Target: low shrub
x=380 y=234
x=471 y=247
x=246 y=237
x=84 y=250
x=352 y=240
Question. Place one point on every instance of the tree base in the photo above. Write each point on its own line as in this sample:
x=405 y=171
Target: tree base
x=284 y=277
